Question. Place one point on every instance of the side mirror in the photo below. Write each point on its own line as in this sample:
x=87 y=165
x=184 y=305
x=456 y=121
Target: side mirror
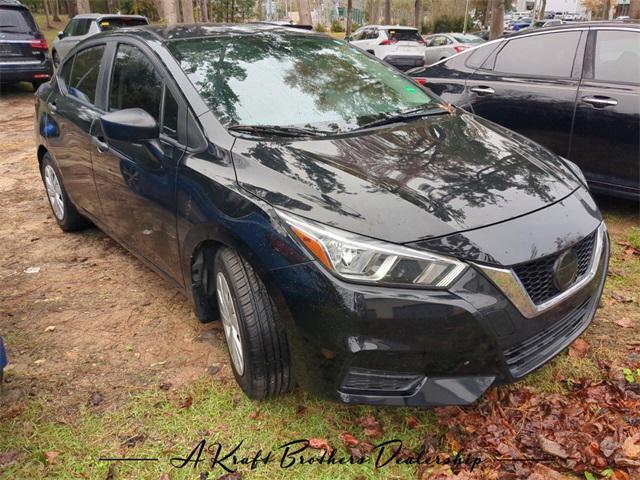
x=60 y=34
x=130 y=125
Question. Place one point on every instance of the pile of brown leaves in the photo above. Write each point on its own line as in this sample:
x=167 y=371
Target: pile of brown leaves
x=593 y=431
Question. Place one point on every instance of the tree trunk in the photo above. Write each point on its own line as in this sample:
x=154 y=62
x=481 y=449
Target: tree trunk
x=497 y=18
x=543 y=7
x=417 y=15
x=169 y=10
x=204 y=12
x=46 y=13
x=260 y=10
x=72 y=8
x=305 y=12
x=56 y=11
x=83 y=6
x=349 y=13
x=387 y=12
x=634 y=9
x=187 y=11
x=374 y=14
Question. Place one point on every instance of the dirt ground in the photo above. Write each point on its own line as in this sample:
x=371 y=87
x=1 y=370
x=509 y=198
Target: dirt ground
x=93 y=316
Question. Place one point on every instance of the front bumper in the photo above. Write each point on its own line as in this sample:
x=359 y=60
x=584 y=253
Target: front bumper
x=31 y=71
x=387 y=346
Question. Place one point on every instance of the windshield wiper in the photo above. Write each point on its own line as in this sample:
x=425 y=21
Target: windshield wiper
x=278 y=130
x=406 y=115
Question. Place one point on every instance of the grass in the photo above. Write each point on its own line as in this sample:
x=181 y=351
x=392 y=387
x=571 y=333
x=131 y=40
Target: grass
x=220 y=413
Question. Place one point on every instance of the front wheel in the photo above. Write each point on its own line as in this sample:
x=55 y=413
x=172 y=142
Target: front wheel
x=255 y=335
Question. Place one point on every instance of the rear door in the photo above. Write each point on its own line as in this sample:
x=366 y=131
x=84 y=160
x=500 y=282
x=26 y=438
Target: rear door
x=530 y=85
x=73 y=107
x=437 y=48
x=606 y=137
x=137 y=182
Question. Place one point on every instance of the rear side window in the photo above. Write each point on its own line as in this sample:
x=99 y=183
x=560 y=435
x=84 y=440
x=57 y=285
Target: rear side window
x=111 y=23
x=135 y=82
x=477 y=56
x=83 y=80
x=404 y=35
x=17 y=20
x=617 y=56
x=65 y=72
x=548 y=55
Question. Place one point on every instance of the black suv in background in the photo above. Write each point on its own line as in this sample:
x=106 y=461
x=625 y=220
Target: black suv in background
x=575 y=89
x=24 y=52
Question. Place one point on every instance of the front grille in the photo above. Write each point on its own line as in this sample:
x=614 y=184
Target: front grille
x=536 y=350
x=380 y=382
x=537 y=276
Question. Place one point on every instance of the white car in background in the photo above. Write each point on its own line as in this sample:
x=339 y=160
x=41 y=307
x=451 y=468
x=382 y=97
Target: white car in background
x=444 y=45
x=402 y=47
x=86 y=25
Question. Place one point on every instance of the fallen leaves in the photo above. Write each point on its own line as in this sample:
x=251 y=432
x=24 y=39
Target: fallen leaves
x=412 y=422
x=51 y=457
x=187 y=402
x=320 y=444
x=349 y=440
x=95 y=399
x=579 y=348
x=625 y=322
x=593 y=428
x=8 y=458
x=371 y=426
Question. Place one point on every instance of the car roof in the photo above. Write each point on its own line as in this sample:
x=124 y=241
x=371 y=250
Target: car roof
x=94 y=16
x=571 y=25
x=13 y=4
x=200 y=30
x=397 y=27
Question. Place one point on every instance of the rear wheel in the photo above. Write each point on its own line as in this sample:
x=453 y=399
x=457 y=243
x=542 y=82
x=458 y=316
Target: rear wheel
x=63 y=209
x=255 y=335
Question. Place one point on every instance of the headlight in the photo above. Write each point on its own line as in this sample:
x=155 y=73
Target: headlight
x=575 y=169
x=361 y=259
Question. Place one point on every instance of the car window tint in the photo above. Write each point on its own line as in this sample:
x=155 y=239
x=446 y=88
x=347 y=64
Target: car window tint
x=477 y=56
x=13 y=20
x=546 y=55
x=135 y=82
x=112 y=23
x=404 y=35
x=82 y=27
x=65 y=71
x=617 y=56
x=68 y=30
x=170 y=115
x=84 y=74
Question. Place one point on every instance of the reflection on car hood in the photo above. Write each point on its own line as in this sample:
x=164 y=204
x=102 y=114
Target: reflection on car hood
x=405 y=182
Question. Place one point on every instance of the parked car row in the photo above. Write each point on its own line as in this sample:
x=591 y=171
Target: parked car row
x=574 y=89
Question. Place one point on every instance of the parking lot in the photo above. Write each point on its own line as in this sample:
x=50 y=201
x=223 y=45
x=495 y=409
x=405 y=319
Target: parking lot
x=107 y=360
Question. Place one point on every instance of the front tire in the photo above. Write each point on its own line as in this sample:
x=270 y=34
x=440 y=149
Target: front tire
x=64 y=211
x=255 y=335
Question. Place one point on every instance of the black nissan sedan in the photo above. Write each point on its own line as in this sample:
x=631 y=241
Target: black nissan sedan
x=353 y=233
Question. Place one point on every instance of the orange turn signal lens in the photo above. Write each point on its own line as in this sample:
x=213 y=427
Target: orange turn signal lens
x=314 y=246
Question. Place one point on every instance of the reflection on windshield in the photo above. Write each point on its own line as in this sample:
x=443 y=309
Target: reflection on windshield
x=285 y=79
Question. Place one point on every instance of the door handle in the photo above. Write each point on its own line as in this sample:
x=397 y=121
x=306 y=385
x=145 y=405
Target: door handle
x=600 y=102
x=101 y=145
x=482 y=90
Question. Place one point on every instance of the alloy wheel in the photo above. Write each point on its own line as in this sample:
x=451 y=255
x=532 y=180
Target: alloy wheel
x=230 y=323
x=54 y=191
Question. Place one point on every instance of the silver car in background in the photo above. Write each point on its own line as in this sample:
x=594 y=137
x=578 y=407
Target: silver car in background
x=86 y=25
x=444 y=45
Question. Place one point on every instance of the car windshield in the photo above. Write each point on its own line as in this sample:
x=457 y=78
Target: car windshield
x=278 y=79
x=111 y=23
x=16 y=20
x=404 y=35
x=467 y=39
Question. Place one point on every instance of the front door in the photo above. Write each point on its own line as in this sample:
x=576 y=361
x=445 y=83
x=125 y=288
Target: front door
x=137 y=182
x=606 y=137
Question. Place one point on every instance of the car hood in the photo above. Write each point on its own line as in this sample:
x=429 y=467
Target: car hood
x=404 y=182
